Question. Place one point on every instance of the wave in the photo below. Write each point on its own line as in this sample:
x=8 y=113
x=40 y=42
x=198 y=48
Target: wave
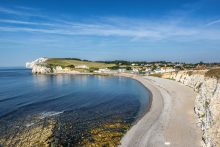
x=49 y=114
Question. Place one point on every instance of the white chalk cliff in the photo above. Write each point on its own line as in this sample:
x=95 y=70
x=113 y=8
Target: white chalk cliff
x=40 y=66
x=207 y=103
x=35 y=62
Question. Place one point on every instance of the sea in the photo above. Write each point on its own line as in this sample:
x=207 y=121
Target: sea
x=66 y=109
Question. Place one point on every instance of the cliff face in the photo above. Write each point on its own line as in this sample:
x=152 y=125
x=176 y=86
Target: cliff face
x=43 y=69
x=35 y=62
x=207 y=103
x=39 y=67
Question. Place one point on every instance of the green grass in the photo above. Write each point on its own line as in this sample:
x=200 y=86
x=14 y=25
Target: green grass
x=68 y=62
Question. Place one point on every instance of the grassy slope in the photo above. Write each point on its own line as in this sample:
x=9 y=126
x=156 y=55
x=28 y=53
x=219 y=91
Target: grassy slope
x=213 y=73
x=66 y=62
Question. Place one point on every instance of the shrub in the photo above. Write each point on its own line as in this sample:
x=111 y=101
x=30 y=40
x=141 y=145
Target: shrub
x=114 y=67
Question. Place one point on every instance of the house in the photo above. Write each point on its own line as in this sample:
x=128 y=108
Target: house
x=170 y=69
x=148 y=69
x=159 y=70
x=164 y=70
x=103 y=70
x=121 y=70
x=82 y=66
x=135 y=70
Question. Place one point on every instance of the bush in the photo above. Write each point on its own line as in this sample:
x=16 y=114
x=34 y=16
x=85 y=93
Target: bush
x=92 y=69
x=71 y=66
x=128 y=68
x=114 y=67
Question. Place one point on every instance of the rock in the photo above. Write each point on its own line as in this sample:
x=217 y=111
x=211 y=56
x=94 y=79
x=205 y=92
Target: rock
x=39 y=66
x=35 y=62
x=38 y=69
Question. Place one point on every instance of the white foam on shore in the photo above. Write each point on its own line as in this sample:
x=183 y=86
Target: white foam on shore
x=49 y=114
x=29 y=124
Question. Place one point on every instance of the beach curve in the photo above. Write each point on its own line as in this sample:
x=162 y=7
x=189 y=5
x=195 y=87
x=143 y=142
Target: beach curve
x=170 y=120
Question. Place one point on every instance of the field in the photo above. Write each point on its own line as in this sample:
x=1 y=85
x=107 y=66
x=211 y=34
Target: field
x=65 y=62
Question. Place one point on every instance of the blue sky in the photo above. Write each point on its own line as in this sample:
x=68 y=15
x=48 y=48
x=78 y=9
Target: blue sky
x=150 y=30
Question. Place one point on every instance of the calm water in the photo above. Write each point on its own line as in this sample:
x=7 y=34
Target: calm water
x=68 y=105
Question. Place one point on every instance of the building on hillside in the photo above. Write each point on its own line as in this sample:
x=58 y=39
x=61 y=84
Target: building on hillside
x=159 y=70
x=82 y=66
x=148 y=69
x=168 y=69
x=122 y=70
x=164 y=70
x=103 y=70
x=135 y=70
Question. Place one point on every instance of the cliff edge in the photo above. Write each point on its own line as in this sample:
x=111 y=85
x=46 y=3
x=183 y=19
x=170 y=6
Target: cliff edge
x=39 y=66
x=207 y=103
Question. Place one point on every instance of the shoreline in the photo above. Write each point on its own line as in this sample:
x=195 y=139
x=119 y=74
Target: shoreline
x=150 y=98
x=127 y=75
x=169 y=119
x=133 y=139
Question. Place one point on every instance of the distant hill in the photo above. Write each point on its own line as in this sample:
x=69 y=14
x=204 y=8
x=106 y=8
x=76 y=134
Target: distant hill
x=68 y=62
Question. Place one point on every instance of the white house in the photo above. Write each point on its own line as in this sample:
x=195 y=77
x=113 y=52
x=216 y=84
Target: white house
x=164 y=70
x=135 y=70
x=103 y=70
x=147 y=69
x=121 y=70
x=82 y=66
x=159 y=70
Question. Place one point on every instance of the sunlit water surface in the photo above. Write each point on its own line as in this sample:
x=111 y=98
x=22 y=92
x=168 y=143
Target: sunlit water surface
x=67 y=110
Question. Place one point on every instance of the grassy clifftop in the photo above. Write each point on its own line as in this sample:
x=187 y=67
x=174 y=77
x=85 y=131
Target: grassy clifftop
x=213 y=73
x=67 y=62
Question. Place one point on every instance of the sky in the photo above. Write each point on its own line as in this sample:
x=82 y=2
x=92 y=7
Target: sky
x=140 y=30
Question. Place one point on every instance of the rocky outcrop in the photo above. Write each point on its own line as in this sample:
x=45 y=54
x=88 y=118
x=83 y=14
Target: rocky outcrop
x=35 y=62
x=44 y=69
x=40 y=67
x=207 y=102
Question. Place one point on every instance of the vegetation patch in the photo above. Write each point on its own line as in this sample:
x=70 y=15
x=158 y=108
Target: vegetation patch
x=156 y=75
x=213 y=73
x=69 y=62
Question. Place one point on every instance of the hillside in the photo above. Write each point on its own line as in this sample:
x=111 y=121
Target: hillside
x=64 y=65
x=68 y=62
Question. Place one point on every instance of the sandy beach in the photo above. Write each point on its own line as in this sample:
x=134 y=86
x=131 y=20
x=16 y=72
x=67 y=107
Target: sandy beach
x=170 y=120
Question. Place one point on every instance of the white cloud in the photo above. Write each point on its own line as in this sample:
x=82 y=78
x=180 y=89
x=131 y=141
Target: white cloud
x=110 y=26
x=213 y=22
x=11 y=21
